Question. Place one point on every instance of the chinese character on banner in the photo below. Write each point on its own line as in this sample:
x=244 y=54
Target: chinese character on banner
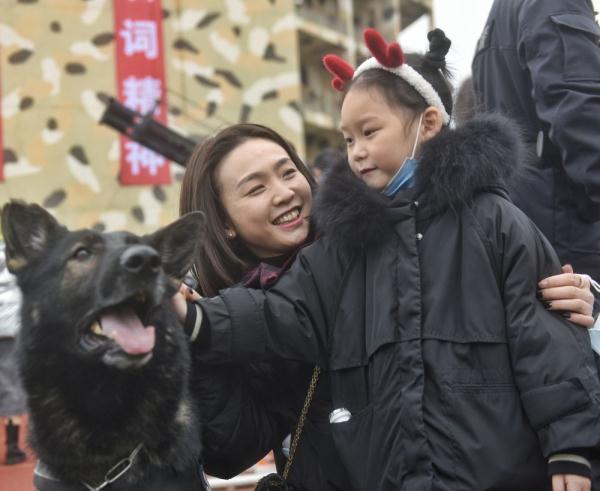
x=140 y=157
x=141 y=94
x=141 y=83
x=140 y=36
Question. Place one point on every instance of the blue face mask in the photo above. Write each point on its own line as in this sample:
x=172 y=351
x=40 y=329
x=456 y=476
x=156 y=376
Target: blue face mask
x=404 y=177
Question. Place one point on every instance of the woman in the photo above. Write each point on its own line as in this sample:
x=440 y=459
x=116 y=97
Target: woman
x=359 y=302
x=233 y=178
x=257 y=197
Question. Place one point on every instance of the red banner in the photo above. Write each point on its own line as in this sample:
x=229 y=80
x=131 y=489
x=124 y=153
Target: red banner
x=141 y=83
x=1 y=142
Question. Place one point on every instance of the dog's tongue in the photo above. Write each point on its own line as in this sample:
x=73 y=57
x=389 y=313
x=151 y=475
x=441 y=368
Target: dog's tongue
x=124 y=326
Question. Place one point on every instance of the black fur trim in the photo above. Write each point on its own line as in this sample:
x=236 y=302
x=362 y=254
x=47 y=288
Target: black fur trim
x=346 y=209
x=456 y=164
x=453 y=167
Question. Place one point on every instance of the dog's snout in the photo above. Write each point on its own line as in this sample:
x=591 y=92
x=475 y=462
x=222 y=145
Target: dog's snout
x=140 y=259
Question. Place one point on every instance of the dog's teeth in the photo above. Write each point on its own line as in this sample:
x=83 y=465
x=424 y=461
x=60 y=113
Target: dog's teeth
x=97 y=328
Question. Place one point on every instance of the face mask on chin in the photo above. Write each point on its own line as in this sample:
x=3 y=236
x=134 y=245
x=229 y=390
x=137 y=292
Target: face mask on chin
x=404 y=176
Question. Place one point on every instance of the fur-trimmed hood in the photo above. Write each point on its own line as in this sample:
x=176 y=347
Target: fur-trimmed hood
x=453 y=167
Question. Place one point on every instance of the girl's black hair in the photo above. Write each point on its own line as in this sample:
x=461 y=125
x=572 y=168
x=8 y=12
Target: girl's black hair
x=431 y=66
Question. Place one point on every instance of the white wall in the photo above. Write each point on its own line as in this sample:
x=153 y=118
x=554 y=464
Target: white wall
x=462 y=21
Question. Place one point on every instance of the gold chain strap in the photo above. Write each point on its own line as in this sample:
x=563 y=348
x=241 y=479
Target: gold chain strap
x=309 y=395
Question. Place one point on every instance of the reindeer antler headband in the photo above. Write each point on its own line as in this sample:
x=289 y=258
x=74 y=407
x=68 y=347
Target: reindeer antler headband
x=387 y=57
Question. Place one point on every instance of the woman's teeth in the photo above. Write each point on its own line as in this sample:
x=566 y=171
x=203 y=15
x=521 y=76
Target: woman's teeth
x=288 y=217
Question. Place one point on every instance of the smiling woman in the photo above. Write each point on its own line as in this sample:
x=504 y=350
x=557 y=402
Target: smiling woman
x=257 y=197
x=266 y=197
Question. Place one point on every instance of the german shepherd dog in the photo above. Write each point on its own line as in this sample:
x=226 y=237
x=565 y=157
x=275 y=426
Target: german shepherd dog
x=103 y=358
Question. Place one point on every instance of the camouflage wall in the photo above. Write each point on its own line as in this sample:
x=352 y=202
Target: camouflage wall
x=226 y=61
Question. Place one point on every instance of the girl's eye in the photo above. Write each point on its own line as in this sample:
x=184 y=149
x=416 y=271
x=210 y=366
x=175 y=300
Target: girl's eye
x=82 y=254
x=370 y=131
x=348 y=140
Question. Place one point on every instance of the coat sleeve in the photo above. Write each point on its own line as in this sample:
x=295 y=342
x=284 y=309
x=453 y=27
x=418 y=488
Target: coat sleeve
x=558 y=43
x=552 y=359
x=238 y=429
x=289 y=321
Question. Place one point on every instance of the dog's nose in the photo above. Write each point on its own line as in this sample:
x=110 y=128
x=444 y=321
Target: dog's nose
x=140 y=259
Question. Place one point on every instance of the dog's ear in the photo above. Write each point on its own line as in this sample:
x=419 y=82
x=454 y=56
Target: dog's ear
x=178 y=242
x=27 y=229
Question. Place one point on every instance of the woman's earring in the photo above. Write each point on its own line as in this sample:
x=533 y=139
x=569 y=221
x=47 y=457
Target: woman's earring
x=230 y=234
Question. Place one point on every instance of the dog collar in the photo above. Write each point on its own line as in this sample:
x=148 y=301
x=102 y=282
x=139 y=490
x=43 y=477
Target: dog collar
x=44 y=479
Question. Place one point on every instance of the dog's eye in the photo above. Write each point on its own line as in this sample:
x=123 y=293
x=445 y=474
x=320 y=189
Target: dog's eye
x=82 y=254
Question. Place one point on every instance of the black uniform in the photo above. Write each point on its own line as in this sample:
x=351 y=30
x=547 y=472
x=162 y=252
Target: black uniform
x=452 y=374
x=538 y=61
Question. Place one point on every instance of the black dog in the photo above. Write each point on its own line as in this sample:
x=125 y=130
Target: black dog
x=104 y=361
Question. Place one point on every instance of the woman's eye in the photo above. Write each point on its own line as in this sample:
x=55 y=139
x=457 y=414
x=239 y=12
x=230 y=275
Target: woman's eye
x=82 y=254
x=255 y=190
x=288 y=174
x=370 y=131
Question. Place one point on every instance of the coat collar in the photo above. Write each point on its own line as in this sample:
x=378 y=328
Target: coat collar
x=454 y=166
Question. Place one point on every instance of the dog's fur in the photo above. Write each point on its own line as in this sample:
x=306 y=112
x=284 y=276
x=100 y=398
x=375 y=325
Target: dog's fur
x=93 y=397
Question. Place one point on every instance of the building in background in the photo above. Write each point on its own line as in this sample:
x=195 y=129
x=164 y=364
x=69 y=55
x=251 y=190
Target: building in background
x=336 y=26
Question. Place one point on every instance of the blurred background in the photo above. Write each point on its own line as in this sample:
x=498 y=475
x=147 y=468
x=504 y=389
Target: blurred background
x=222 y=62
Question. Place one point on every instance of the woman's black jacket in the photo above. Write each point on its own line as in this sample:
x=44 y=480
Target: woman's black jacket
x=424 y=311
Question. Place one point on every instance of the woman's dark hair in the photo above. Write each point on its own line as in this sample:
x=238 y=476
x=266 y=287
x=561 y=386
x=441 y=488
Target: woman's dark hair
x=222 y=262
x=431 y=66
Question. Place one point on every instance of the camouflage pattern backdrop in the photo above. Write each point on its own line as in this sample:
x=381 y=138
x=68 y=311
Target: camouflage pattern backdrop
x=225 y=60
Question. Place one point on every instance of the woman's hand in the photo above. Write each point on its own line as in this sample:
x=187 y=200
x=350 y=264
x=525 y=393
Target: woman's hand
x=570 y=482
x=569 y=293
x=180 y=300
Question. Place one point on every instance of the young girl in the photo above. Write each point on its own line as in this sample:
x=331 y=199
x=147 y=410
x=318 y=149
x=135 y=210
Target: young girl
x=420 y=299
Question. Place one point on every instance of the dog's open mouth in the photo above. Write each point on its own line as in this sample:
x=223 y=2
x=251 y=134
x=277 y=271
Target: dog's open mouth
x=121 y=331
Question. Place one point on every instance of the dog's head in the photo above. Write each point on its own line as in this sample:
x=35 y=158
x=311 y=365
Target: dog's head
x=96 y=295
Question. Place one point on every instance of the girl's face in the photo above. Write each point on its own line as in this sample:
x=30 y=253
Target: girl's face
x=378 y=136
x=267 y=199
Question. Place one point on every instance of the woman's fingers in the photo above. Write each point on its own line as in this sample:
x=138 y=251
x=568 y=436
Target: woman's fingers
x=566 y=279
x=574 y=306
x=558 y=483
x=179 y=304
x=569 y=293
x=189 y=293
x=570 y=482
x=567 y=268
x=581 y=320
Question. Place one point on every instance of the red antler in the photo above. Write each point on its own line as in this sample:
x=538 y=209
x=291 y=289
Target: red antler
x=341 y=70
x=389 y=55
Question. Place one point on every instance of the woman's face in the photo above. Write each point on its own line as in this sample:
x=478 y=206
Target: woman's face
x=378 y=137
x=267 y=199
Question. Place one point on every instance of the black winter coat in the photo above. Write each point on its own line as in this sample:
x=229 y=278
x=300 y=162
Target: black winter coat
x=538 y=61
x=248 y=410
x=425 y=312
